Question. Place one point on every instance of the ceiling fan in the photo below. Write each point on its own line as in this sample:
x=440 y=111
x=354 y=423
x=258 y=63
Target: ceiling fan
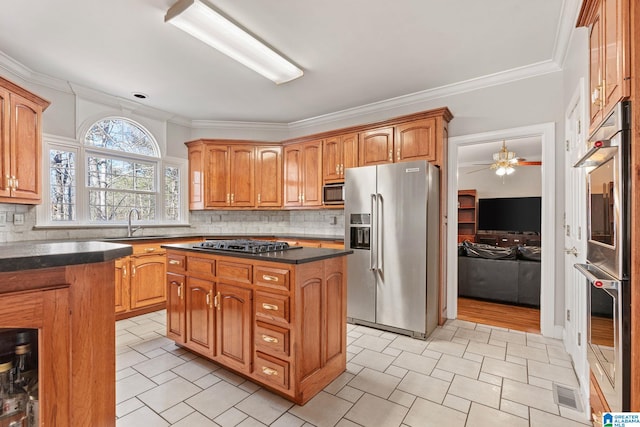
x=505 y=161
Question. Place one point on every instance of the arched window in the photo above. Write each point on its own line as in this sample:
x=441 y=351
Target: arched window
x=122 y=169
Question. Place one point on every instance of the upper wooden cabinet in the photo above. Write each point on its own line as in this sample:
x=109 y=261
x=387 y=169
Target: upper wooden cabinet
x=303 y=174
x=229 y=176
x=268 y=176
x=339 y=152
x=375 y=147
x=609 y=64
x=20 y=144
x=414 y=140
x=234 y=174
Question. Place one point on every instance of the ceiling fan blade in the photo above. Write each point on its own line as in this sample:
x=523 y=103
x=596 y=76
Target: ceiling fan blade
x=477 y=170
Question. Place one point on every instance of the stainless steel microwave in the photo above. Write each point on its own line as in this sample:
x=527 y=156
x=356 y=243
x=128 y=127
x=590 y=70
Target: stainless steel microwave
x=333 y=194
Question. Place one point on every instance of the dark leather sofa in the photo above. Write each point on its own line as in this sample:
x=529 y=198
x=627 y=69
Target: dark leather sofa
x=509 y=275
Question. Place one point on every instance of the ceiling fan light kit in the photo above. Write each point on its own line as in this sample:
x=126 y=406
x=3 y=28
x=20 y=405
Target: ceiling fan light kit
x=504 y=161
x=201 y=21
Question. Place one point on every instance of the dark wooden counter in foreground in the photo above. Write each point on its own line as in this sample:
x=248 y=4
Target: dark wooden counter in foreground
x=277 y=318
x=66 y=291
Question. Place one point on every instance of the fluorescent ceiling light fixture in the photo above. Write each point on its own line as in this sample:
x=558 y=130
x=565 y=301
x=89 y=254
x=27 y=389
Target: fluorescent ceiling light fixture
x=201 y=21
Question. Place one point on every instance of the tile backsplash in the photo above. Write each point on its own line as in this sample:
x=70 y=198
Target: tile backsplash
x=328 y=223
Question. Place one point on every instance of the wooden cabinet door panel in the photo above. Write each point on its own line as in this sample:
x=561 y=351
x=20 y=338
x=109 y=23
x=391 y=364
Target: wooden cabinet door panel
x=595 y=68
x=293 y=175
x=196 y=177
x=122 y=284
x=415 y=141
x=268 y=177
x=217 y=184
x=147 y=280
x=234 y=326
x=332 y=159
x=312 y=178
x=349 y=152
x=5 y=160
x=26 y=147
x=200 y=318
x=242 y=176
x=310 y=308
x=615 y=64
x=375 y=147
x=176 y=307
x=336 y=309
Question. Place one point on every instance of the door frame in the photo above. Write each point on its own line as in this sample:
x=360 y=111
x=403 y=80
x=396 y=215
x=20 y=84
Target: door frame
x=546 y=132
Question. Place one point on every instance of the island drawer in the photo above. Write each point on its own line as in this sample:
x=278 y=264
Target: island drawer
x=274 y=372
x=201 y=266
x=147 y=248
x=176 y=262
x=276 y=278
x=235 y=272
x=271 y=306
x=272 y=339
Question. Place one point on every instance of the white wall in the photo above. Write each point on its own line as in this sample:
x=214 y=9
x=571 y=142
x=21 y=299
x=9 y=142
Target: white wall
x=526 y=181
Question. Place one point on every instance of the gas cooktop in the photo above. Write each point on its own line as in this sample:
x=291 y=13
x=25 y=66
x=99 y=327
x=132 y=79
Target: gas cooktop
x=245 y=245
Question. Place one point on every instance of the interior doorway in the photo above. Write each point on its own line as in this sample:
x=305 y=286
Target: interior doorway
x=546 y=134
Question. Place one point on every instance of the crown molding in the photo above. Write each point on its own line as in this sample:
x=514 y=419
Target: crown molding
x=566 y=26
x=502 y=77
x=233 y=125
x=21 y=71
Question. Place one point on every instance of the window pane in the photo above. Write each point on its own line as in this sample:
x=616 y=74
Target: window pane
x=108 y=205
x=62 y=171
x=120 y=174
x=121 y=135
x=172 y=193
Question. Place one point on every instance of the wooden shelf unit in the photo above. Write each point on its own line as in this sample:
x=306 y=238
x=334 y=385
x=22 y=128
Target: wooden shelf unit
x=467 y=215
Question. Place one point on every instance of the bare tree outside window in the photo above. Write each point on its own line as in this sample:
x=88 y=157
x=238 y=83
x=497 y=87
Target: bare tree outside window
x=63 y=185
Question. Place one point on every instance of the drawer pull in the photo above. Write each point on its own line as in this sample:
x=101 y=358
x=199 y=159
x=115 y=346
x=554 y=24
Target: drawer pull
x=149 y=250
x=174 y=262
x=269 y=278
x=270 y=339
x=269 y=306
x=269 y=371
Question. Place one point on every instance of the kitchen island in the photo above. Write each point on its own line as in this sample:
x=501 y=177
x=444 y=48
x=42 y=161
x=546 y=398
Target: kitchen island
x=63 y=293
x=277 y=318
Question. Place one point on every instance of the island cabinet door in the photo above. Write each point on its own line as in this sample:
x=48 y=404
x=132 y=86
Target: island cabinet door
x=200 y=317
x=234 y=337
x=176 y=307
x=122 y=284
x=148 y=280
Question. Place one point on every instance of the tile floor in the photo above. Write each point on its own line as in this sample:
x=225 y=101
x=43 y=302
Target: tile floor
x=465 y=374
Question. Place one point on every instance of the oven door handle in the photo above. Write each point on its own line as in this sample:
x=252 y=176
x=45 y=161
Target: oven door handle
x=597 y=277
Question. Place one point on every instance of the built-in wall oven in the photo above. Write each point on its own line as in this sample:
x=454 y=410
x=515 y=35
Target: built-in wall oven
x=608 y=256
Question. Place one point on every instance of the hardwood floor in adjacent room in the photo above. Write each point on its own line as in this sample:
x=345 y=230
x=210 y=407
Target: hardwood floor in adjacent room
x=514 y=317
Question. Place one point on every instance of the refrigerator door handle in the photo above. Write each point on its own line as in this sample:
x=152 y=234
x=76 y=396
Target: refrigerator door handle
x=374 y=230
x=379 y=232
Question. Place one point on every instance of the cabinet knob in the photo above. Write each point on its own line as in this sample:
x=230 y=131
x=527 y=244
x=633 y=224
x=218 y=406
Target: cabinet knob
x=180 y=291
x=174 y=262
x=342 y=169
x=258 y=197
x=269 y=278
x=15 y=182
x=8 y=186
x=390 y=155
x=149 y=250
x=218 y=301
x=124 y=271
x=398 y=154
x=338 y=169
x=302 y=198
x=269 y=371
x=232 y=198
x=228 y=198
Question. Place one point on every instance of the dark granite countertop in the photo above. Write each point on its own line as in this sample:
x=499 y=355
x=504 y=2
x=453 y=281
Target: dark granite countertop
x=291 y=256
x=33 y=255
x=135 y=239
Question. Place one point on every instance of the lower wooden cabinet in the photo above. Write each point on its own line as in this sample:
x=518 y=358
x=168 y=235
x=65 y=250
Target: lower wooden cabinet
x=147 y=280
x=282 y=325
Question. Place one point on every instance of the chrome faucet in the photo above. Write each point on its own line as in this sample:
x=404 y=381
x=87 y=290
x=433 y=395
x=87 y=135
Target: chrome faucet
x=131 y=230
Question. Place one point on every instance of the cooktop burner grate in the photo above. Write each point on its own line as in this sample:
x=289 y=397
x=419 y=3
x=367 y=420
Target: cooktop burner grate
x=245 y=245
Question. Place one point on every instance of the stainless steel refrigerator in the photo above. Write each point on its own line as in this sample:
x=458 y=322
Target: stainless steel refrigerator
x=392 y=226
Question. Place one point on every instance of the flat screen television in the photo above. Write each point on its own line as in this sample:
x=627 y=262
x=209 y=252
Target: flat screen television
x=510 y=214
